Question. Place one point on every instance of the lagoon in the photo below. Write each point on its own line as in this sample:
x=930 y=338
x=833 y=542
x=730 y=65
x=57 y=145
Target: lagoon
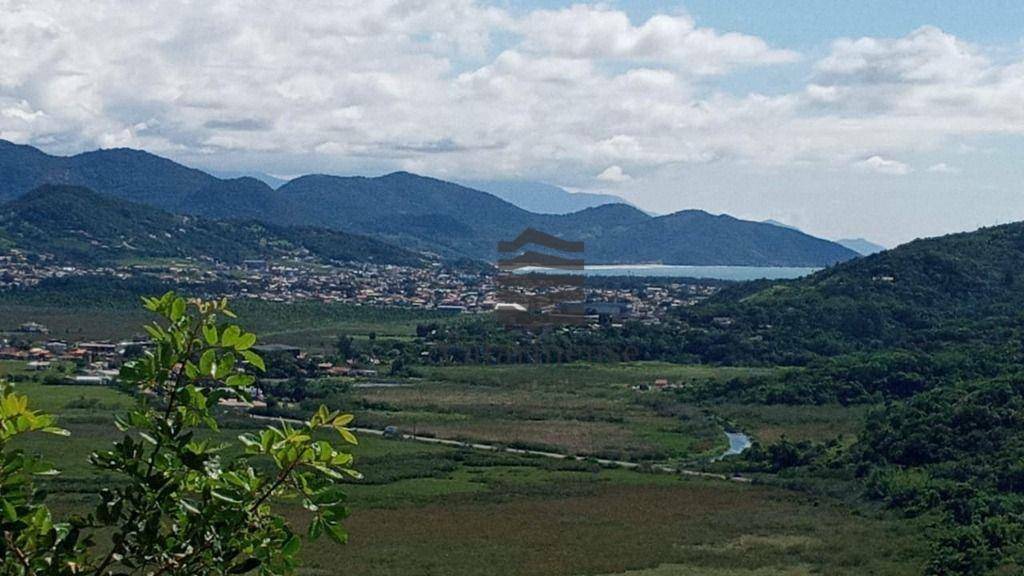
x=734 y=273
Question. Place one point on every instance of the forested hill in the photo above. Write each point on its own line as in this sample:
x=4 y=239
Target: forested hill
x=960 y=289
x=78 y=225
x=417 y=212
x=932 y=334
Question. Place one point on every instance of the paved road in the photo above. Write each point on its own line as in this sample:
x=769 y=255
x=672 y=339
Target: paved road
x=555 y=455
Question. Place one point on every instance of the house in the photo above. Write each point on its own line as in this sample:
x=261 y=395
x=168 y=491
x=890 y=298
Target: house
x=10 y=353
x=33 y=327
x=90 y=380
x=255 y=265
x=56 y=346
x=98 y=348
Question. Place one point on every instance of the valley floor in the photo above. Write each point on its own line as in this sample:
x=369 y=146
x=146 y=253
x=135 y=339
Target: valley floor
x=432 y=509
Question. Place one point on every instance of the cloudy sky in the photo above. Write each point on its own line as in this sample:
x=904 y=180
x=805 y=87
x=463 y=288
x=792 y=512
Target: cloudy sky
x=842 y=118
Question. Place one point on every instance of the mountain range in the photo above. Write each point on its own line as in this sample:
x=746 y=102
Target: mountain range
x=416 y=212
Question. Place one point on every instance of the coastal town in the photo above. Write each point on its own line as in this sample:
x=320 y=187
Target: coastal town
x=436 y=286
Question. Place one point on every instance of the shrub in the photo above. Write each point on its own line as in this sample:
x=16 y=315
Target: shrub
x=178 y=506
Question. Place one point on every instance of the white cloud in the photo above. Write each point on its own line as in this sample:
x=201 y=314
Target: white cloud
x=584 y=31
x=613 y=174
x=925 y=56
x=464 y=89
x=943 y=168
x=884 y=166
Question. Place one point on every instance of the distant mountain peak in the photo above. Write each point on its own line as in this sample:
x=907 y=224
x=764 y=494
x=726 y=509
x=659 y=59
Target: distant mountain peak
x=543 y=198
x=861 y=246
x=774 y=222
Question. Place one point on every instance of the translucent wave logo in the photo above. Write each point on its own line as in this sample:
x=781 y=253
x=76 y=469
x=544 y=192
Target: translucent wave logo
x=528 y=297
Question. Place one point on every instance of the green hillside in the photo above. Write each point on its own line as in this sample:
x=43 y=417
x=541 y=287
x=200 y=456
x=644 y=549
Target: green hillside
x=956 y=290
x=78 y=225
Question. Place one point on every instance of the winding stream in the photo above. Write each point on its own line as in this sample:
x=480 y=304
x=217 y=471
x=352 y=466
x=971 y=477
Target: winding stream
x=738 y=442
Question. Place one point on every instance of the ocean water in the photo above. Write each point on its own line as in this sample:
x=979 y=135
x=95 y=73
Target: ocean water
x=736 y=273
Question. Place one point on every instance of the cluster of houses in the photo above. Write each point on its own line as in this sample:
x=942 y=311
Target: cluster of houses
x=316 y=366
x=18 y=270
x=96 y=362
x=432 y=286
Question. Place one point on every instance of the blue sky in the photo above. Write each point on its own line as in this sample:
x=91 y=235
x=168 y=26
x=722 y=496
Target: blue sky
x=812 y=24
x=887 y=120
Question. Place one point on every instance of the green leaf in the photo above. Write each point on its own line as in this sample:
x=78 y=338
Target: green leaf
x=292 y=546
x=177 y=309
x=10 y=513
x=224 y=365
x=230 y=336
x=206 y=362
x=189 y=507
x=224 y=497
x=239 y=381
x=210 y=334
x=348 y=436
x=315 y=528
x=336 y=532
x=245 y=341
x=329 y=496
x=254 y=359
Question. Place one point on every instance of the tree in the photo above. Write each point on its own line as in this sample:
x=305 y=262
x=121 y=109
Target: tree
x=182 y=506
x=345 y=347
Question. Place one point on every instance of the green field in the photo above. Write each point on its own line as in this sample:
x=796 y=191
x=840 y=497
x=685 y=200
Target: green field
x=578 y=409
x=312 y=325
x=426 y=509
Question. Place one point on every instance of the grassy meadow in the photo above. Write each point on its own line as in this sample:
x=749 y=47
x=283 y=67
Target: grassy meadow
x=314 y=326
x=428 y=509
x=584 y=409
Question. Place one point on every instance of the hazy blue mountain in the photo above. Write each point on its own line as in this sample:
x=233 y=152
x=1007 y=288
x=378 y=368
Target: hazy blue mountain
x=861 y=246
x=738 y=242
x=543 y=198
x=130 y=174
x=78 y=225
x=272 y=181
x=417 y=212
x=781 y=224
x=858 y=245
